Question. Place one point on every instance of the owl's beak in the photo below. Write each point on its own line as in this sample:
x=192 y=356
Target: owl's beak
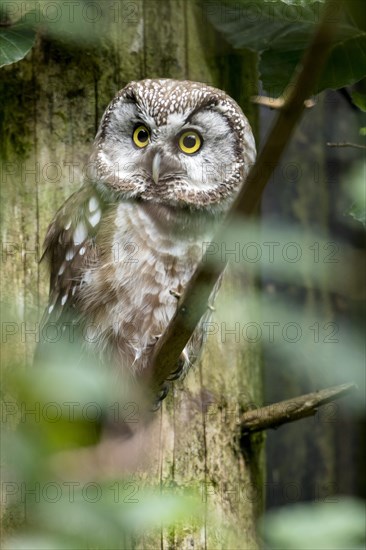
x=156 y=168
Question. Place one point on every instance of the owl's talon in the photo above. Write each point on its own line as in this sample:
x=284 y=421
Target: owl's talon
x=161 y=396
x=211 y=307
x=156 y=406
x=175 y=375
x=163 y=392
x=175 y=293
x=183 y=359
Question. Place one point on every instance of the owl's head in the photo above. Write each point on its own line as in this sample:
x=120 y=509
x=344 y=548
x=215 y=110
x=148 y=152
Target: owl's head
x=175 y=143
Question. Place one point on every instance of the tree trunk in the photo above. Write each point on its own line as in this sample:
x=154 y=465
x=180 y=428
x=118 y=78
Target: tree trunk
x=53 y=101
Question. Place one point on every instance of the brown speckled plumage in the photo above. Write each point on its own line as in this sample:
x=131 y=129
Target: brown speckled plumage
x=126 y=239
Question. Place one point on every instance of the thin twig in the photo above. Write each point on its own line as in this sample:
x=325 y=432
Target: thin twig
x=347 y=144
x=277 y=102
x=290 y=410
x=194 y=302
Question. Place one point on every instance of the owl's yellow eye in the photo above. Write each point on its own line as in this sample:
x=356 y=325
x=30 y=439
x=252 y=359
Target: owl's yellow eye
x=141 y=136
x=190 y=142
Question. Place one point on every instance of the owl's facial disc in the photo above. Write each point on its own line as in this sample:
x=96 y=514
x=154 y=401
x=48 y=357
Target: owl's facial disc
x=173 y=142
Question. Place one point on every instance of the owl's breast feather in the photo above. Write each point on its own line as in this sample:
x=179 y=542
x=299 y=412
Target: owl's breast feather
x=139 y=268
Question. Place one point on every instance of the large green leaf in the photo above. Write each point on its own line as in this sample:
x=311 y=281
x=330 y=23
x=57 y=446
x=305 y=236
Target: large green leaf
x=280 y=30
x=346 y=65
x=15 y=42
x=264 y=24
x=82 y=23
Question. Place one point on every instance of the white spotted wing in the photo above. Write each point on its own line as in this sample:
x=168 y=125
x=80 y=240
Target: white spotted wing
x=70 y=248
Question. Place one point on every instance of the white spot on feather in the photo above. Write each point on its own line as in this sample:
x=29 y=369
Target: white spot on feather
x=63 y=300
x=80 y=233
x=160 y=268
x=93 y=204
x=50 y=309
x=67 y=225
x=87 y=277
x=62 y=269
x=164 y=296
x=159 y=277
x=94 y=219
x=82 y=251
x=159 y=314
x=70 y=254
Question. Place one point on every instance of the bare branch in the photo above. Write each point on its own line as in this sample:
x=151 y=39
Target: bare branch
x=277 y=102
x=194 y=302
x=347 y=144
x=290 y=410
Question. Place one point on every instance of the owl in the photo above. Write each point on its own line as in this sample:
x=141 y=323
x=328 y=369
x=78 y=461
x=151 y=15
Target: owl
x=167 y=162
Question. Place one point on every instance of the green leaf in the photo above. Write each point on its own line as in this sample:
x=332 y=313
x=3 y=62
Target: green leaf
x=346 y=65
x=265 y=24
x=15 y=42
x=359 y=100
x=63 y=406
x=82 y=23
x=358 y=213
x=38 y=541
x=103 y=515
x=337 y=524
x=357 y=194
x=280 y=31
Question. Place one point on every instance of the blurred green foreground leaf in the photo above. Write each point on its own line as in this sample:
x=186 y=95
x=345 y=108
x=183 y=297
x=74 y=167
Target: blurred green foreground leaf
x=339 y=524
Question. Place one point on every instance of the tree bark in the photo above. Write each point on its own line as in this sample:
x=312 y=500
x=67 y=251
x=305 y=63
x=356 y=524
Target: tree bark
x=53 y=101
